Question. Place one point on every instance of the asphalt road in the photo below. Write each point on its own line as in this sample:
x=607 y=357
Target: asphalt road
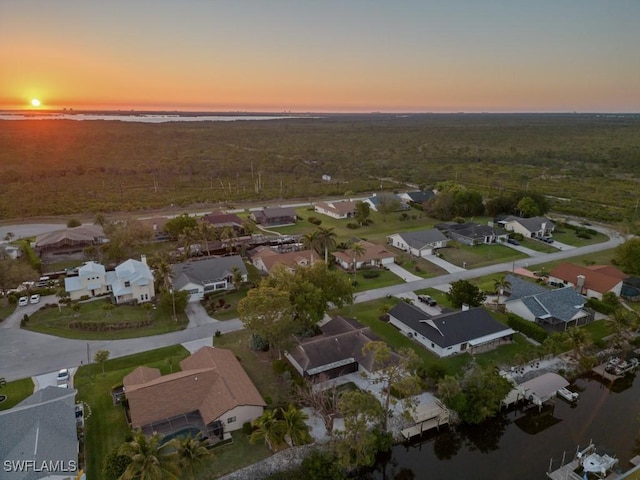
x=25 y=354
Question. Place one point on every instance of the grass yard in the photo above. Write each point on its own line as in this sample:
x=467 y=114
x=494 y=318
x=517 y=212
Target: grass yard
x=598 y=330
x=602 y=257
x=479 y=255
x=568 y=236
x=16 y=391
x=385 y=279
x=425 y=268
x=438 y=295
x=6 y=309
x=230 y=457
x=106 y=427
x=504 y=355
x=537 y=245
x=256 y=364
x=230 y=298
x=55 y=321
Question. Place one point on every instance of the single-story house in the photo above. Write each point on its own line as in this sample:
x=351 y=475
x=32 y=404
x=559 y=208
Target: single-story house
x=420 y=243
x=40 y=429
x=272 y=216
x=553 y=309
x=221 y=220
x=157 y=226
x=417 y=197
x=373 y=256
x=131 y=281
x=10 y=251
x=212 y=393
x=71 y=239
x=342 y=209
x=208 y=275
x=390 y=198
x=472 y=330
x=473 y=233
x=335 y=352
x=266 y=258
x=590 y=281
x=534 y=227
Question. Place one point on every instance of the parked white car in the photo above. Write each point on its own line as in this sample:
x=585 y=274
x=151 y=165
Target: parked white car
x=63 y=375
x=34 y=298
x=23 y=302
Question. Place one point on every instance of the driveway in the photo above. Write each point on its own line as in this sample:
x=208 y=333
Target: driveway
x=433 y=311
x=13 y=320
x=198 y=316
x=449 y=267
x=527 y=251
x=405 y=275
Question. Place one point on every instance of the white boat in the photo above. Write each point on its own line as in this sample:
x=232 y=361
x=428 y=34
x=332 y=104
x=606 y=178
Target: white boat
x=568 y=395
x=599 y=464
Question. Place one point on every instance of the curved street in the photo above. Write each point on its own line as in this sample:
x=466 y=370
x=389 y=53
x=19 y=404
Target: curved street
x=26 y=354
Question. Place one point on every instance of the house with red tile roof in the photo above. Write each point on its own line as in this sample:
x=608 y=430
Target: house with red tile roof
x=212 y=394
x=265 y=259
x=373 y=256
x=592 y=281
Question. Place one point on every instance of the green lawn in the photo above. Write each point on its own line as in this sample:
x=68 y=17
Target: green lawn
x=106 y=427
x=479 y=255
x=231 y=298
x=602 y=257
x=598 y=330
x=54 y=321
x=231 y=457
x=256 y=364
x=537 y=245
x=568 y=236
x=6 y=309
x=16 y=391
x=418 y=266
x=385 y=279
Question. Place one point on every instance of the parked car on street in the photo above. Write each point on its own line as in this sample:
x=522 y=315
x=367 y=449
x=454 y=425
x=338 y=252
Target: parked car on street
x=23 y=302
x=512 y=241
x=34 y=298
x=428 y=300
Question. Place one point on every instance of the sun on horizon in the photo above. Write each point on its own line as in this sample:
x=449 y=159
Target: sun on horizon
x=35 y=102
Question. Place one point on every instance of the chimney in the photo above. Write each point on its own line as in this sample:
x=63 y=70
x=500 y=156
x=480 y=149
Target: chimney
x=143 y=259
x=543 y=227
x=580 y=283
x=465 y=307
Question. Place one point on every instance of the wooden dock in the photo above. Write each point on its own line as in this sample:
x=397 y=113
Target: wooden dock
x=567 y=471
x=599 y=370
x=427 y=417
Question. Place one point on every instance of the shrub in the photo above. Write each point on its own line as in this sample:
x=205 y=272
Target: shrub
x=370 y=273
x=314 y=220
x=257 y=343
x=12 y=299
x=279 y=366
x=353 y=226
x=247 y=429
x=25 y=318
x=218 y=333
x=583 y=235
x=367 y=222
x=528 y=328
x=84 y=297
x=600 y=306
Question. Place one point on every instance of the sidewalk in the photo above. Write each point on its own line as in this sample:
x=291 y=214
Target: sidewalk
x=449 y=267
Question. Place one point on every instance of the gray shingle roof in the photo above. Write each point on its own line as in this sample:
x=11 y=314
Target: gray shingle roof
x=42 y=428
x=562 y=303
x=532 y=224
x=421 y=238
x=421 y=197
x=450 y=328
x=206 y=271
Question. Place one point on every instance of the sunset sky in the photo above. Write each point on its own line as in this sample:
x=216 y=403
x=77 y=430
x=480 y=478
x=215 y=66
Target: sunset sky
x=322 y=55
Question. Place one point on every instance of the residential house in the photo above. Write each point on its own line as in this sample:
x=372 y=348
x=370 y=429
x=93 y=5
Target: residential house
x=534 y=227
x=212 y=394
x=420 y=243
x=389 y=198
x=470 y=330
x=337 y=351
x=341 y=209
x=157 y=226
x=40 y=429
x=221 y=220
x=71 y=240
x=10 y=251
x=553 y=309
x=199 y=277
x=266 y=258
x=418 y=197
x=592 y=281
x=372 y=256
x=274 y=216
x=131 y=281
x=473 y=233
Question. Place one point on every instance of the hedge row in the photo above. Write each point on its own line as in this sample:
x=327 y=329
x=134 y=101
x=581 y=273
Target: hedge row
x=600 y=306
x=528 y=328
x=107 y=327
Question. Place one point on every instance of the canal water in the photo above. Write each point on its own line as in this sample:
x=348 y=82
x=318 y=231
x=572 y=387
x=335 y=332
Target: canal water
x=519 y=443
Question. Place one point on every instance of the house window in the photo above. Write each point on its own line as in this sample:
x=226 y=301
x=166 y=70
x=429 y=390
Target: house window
x=231 y=420
x=127 y=284
x=463 y=346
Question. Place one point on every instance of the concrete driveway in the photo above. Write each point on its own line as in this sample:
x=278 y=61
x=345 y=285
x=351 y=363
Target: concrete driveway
x=527 y=251
x=405 y=275
x=13 y=320
x=449 y=267
x=198 y=316
x=51 y=380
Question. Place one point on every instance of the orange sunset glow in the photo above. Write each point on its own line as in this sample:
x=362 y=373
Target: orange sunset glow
x=415 y=56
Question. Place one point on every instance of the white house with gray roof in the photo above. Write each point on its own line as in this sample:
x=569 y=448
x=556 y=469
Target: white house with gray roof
x=472 y=330
x=39 y=439
x=553 y=309
x=199 y=277
x=131 y=281
x=420 y=243
x=534 y=227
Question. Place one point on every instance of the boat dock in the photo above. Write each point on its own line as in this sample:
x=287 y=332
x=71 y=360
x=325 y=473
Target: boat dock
x=615 y=369
x=427 y=417
x=567 y=471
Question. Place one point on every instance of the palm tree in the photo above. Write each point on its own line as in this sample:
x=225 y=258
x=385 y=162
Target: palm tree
x=150 y=459
x=501 y=284
x=294 y=427
x=357 y=250
x=268 y=427
x=206 y=232
x=228 y=234
x=190 y=452
x=162 y=272
x=620 y=321
x=579 y=339
x=310 y=242
x=237 y=277
x=326 y=240
x=187 y=239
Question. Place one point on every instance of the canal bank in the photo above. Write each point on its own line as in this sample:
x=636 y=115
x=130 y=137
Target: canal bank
x=519 y=443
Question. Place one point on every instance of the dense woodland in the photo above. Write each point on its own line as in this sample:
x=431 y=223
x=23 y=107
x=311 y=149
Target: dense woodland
x=588 y=164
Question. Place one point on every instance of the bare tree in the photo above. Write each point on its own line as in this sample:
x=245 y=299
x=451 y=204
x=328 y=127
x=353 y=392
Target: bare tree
x=323 y=401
